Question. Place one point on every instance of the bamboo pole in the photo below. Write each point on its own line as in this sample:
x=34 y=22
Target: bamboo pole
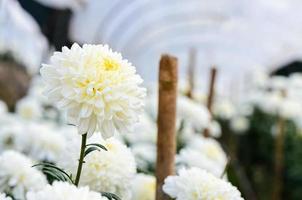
x=211 y=93
x=166 y=138
x=191 y=71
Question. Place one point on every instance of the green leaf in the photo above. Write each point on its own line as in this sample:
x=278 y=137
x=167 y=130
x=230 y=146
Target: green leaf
x=54 y=175
x=110 y=196
x=97 y=145
x=90 y=149
x=54 y=171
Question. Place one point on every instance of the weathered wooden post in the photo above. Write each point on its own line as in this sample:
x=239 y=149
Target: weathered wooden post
x=166 y=138
x=279 y=160
x=191 y=72
x=279 y=157
x=14 y=82
x=211 y=93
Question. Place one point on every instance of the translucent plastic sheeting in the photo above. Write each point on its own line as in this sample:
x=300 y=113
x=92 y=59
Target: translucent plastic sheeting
x=236 y=35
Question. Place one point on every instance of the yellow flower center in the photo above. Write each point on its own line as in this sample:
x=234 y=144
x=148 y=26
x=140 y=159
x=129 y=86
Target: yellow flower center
x=212 y=152
x=111 y=146
x=98 y=71
x=195 y=195
x=151 y=186
x=111 y=64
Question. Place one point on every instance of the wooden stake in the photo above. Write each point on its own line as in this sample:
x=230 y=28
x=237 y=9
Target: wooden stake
x=191 y=71
x=279 y=156
x=279 y=160
x=211 y=94
x=166 y=138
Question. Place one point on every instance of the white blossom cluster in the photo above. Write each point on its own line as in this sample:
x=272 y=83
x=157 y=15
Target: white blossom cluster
x=143 y=187
x=278 y=96
x=64 y=191
x=103 y=171
x=204 y=153
x=40 y=141
x=197 y=184
x=17 y=177
x=4 y=197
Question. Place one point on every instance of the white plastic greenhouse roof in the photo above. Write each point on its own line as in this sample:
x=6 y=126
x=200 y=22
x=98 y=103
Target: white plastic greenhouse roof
x=235 y=35
x=238 y=36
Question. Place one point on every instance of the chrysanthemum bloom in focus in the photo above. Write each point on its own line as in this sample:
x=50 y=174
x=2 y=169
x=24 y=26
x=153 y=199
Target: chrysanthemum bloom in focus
x=96 y=86
x=197 y=184
x=64 y=191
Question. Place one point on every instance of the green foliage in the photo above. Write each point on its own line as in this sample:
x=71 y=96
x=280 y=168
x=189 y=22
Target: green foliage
x=54 y=173
x=255 y=152
x=293 y=164
x=93 y=147
x=98 y=146
x=111 y=196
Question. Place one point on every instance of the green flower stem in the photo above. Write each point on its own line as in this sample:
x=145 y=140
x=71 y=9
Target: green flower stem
x=81 y=160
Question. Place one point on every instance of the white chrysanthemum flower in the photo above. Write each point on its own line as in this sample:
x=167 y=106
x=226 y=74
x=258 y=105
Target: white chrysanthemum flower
x=64 y=191
x=270 y=102
x=210 y=147
x=259 y=78
x=290 y=109
x=145 y=156
x=103 y=171
x=224 y=109
x=200 y=97
x=183 y=86
x=197 y=184
x=96 y=86
x=214 y=129
x=193 y=113
x=143 y=187
x=45 y=143
x=145 y=131
x=4 y=197
x=36 y=89
x=38 y=141
x=294 y=94
x=277 y=83
x=7 y=119
x=239 y=124
x=3 y=107
x=245 y=108
x=29 y=109
x=295 y=81
x=17 y=175
x=204 y=153
x=10 y=137
x=193 y=158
